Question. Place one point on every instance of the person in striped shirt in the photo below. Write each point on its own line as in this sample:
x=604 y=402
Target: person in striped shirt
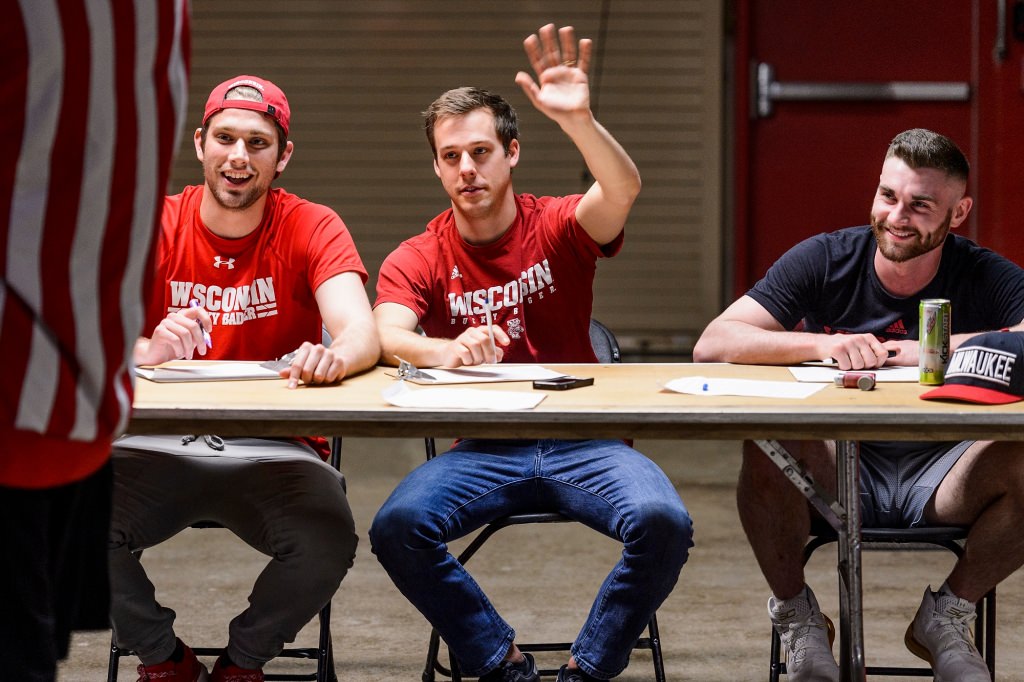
x=94 y=94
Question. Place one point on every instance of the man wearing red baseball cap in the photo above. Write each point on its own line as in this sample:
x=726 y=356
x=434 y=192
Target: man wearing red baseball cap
x=267 y=99
x=244 y=271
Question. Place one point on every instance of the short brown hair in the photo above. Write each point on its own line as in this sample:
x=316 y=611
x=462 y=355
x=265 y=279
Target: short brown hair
x=461 y=101
x=921 y=148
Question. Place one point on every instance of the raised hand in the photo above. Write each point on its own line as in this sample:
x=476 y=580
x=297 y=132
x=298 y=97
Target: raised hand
x=561 y=67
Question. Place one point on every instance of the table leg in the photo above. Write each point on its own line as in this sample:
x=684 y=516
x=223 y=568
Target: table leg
x=843 y=514
x=829 y=507
x=851 y=614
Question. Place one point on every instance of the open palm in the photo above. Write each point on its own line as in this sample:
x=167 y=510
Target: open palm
x=560 y=65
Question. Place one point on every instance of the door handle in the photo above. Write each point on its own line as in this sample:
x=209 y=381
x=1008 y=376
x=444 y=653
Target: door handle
x=999 y=48
x=770 y=90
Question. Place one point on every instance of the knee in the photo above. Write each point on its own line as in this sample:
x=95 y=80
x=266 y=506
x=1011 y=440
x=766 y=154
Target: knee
x=119 y=559
x=998 y=466
x=756 y=461
x=1012 y=463
x=326 y=547
x=667 y=529
x=339 y=540
x=760 y=474
x=390 y=526
x=1012 y=482
x=321 y=530
x=116 y=538
x=757 y=471
x=398 y=528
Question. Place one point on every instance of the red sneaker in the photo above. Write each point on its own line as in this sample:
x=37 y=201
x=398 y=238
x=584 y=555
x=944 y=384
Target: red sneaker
x=232 y=673
x=189 y=669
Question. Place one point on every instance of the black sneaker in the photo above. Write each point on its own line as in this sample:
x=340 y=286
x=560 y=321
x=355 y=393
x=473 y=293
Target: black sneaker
x=524 y=671
x=577 y=675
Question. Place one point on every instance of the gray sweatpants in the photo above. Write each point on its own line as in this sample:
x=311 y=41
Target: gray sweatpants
x=276 y=495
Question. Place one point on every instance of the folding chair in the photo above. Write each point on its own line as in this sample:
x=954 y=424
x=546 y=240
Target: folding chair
x=606 y=348
x=904 y=539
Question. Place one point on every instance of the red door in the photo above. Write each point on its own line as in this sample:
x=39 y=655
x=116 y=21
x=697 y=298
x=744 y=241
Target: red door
x=827 y=85
x=1000 y=141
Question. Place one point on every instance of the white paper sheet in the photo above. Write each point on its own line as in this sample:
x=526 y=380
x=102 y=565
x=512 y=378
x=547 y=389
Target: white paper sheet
x=401 y=395
x=480 y=374
x=207 y=371
x=825 y=374
x=745 y=387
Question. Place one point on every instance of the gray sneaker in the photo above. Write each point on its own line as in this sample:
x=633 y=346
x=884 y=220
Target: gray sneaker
x=941 y=635
x=807 y=637
x=524 y=671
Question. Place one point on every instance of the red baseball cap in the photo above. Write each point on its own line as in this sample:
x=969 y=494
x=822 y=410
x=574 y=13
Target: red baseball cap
x=274 y=104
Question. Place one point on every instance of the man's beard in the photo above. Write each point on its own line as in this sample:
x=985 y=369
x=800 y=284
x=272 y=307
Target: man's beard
x=238 y=200
x=901 y=252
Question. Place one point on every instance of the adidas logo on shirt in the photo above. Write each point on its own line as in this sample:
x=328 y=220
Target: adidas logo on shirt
x=896 y=328
x=455 y=273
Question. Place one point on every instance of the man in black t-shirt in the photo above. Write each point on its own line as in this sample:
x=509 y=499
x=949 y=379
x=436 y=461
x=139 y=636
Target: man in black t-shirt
x=853 y=296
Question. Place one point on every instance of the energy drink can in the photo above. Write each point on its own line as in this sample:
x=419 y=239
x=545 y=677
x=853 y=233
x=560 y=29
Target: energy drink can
x=933 y=327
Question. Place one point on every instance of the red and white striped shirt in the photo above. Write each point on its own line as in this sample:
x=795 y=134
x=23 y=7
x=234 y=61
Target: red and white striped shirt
x=93 y=95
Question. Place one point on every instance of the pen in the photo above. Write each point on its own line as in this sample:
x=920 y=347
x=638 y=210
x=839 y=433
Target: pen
x=206 y=335
x=832 y=361
x=490 y=326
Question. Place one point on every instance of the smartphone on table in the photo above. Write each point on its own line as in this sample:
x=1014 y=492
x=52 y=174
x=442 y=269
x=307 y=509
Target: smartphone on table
x=563 y=383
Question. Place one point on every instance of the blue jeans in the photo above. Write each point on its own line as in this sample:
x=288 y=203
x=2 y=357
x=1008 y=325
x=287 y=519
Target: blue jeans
x=605 y=485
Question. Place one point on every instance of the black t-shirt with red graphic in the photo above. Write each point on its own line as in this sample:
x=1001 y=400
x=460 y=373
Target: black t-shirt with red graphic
x=829 y=283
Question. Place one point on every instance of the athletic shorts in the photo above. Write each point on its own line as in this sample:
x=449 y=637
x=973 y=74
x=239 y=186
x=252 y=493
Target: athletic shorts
x=897 y=479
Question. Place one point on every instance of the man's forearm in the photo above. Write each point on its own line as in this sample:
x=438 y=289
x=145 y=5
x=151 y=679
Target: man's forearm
x=420 y=350
x=358 y=346
x=606 y=160
x=737 y=342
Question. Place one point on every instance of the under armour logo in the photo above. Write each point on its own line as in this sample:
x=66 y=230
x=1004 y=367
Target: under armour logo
x=455 y=273
x=218 y=261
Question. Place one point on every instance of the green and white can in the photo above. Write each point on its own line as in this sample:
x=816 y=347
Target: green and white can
x=933 y=327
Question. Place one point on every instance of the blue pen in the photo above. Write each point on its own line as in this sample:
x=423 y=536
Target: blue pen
x=206 y=335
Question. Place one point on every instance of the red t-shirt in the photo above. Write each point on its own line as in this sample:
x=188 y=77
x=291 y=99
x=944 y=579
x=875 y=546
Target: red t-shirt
x=540 y=277
x=258 y=289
